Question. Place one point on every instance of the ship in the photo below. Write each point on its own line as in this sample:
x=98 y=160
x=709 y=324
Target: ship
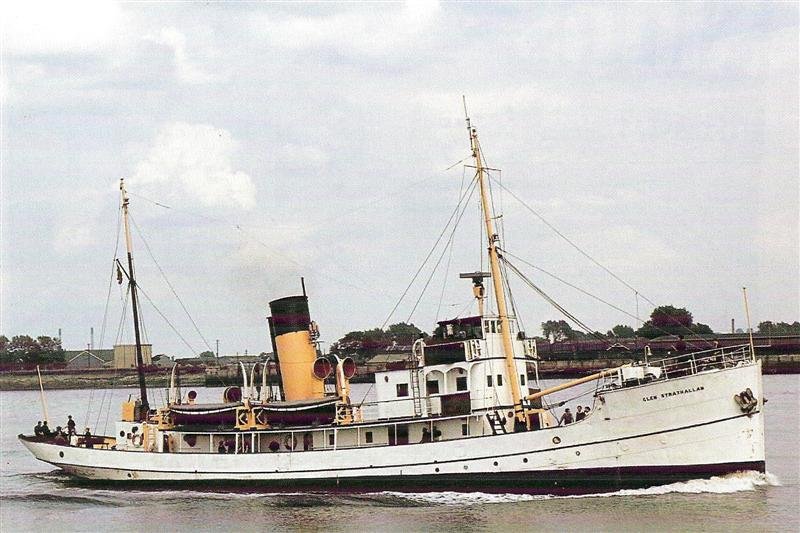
x=464 y=412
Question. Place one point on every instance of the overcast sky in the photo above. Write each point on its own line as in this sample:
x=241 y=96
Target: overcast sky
x=312 y=140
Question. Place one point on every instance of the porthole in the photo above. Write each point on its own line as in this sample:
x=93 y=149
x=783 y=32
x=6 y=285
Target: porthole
x=121 y=433
x=577 y=452
x=130 y=475
x=495 y=463
x=525 y=460
x=556 y=440
x=466 y=467
x=386 y=379
x=437 y=469
x=61 y=454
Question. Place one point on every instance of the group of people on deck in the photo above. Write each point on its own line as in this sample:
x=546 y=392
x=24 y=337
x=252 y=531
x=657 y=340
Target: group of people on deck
x=580 y=414
x=60 y=436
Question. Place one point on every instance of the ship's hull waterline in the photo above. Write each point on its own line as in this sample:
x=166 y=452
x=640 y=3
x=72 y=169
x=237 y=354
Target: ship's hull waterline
x=659 y=432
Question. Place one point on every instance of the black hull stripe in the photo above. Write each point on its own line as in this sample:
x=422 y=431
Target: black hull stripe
x=425 y=463
x=552 y=482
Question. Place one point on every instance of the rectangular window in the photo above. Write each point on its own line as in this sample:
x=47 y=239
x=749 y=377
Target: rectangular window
x=398 y=436
x=465 y=429
x=461 y=383
x=489 y=381
x=433 y=387
x=499 y=380
x=330 y=439
x=368 y=437
x=522 y=379
x=402 y=390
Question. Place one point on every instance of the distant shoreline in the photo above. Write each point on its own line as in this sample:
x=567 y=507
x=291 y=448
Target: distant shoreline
x=109 y=379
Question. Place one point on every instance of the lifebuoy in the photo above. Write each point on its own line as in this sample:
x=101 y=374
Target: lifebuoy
x=290 y=442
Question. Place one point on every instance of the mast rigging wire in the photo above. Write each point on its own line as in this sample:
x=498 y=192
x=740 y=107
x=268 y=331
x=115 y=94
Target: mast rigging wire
x=592 y=259
x=433 y=248
x=164 y=275
x=550 y=300
x=247 y=236
x=567 y=239
x=448 y=245
x=450 y=256
x=506 y=252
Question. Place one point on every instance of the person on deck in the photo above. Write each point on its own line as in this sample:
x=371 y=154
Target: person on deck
x=566 y=418
x=680 y=346
x=579 y=414
x=585 y=411
x=87 y=439
x=70 y=425
x=38 y=429
x=46 y=430
x=221 y=447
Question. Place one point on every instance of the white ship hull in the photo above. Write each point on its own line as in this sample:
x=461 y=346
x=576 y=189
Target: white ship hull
x=636 y=436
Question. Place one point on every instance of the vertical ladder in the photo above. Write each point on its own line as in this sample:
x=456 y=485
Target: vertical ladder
x=414 y=363
x=416 y=393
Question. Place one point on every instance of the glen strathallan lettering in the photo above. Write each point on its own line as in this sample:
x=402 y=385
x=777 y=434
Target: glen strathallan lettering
x=671 y=393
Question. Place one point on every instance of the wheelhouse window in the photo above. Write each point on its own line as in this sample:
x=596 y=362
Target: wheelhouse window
x=461 y=383
x=368 y=437
x=499 y=380
x=402 y=390
x=433 y=386
x=522 y=379
x=489 y=381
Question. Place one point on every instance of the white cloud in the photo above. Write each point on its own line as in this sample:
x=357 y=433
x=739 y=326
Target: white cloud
x=76 y=227
x=58 y=27
x=185 y=69
x=369 y=31
x=195 y=162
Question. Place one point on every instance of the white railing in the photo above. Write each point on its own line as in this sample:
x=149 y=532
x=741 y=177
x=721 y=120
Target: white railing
x=679 y=366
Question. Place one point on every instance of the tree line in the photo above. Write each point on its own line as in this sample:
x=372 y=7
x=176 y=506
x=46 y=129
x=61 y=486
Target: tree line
x=28 y=350
x=361 y=345
x=664 y=320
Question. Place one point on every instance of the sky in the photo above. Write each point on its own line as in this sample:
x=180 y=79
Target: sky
x=262 y=142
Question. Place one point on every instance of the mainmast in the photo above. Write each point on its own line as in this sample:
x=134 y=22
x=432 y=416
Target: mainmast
x=134 y=301
x=497 y=277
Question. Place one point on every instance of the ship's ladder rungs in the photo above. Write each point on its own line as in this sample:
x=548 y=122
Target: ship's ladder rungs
x=497 y=422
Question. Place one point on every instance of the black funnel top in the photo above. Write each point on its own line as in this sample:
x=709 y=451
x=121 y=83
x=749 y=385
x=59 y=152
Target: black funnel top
x=290 y=314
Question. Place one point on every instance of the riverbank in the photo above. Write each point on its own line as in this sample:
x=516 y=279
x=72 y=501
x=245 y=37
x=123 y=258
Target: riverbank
x=109 y=379
x=93 y=380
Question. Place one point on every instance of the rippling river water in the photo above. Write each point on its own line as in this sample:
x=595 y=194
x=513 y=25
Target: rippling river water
x=34 y=497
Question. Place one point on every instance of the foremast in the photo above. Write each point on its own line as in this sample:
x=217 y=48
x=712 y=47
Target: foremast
x=497 y=278
x=134 y=302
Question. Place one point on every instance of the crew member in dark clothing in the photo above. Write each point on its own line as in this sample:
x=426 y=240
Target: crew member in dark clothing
x=87 y=439
x=680 y=346
x=38 y=429
x=566 y=418
x=59 y=437
x=70 y=425
x=221 y=447
x=579 y=414
x=426 y=435
x=46 y=430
